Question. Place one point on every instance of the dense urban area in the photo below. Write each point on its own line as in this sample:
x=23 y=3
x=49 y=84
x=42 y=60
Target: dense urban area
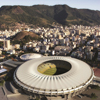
x=76 y=41
x=82 y=42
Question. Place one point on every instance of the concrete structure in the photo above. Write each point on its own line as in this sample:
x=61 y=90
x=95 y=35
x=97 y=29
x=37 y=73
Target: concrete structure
x=0 y=52
x=7 y=45
x=17 y=46
x=76 y=77
x=11 y=51
x=3 y=71
x=30 y=56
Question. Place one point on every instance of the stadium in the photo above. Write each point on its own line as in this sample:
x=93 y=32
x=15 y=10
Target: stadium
x=29 y=56
x=54 y=76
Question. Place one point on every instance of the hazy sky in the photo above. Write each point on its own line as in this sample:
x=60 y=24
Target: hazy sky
x=90 y=4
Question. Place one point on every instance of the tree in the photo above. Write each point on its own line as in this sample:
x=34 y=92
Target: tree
x=93 y=96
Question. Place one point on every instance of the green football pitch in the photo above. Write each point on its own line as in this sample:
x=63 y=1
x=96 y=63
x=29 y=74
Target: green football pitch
x=50 y=71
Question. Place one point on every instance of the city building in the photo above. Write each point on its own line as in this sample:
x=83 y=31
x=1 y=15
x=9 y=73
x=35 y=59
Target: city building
x=17 y=46
x=7 y=45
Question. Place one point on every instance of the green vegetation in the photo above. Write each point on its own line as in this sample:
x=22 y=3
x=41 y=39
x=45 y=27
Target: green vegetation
x=4 y=52
x=26 y=36
x=29 y=38
x=96 y=54
x=95 y=87
x=1 y=44
x=43 y=15
x=9 y=76
x=1 y=60
x=1 y=83
x=37 y=98
x=23 y=37
x=50 y=71
x=93 y=96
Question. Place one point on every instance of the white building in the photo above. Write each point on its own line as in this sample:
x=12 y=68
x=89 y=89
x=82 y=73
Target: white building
x=17 y=46
x=7 y=45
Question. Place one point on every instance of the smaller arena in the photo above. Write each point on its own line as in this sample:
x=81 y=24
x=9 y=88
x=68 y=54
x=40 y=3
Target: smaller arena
x=29 y=56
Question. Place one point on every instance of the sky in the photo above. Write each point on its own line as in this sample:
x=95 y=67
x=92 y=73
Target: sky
x=86 y=4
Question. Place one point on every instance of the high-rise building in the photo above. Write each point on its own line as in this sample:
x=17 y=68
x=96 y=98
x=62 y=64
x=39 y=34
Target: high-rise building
x=7 y=45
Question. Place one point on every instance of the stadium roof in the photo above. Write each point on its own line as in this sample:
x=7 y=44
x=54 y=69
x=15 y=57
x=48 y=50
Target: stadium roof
x=79 y=74
x=29 y=56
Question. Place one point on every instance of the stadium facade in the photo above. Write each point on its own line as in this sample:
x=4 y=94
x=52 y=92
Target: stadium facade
x=72 y=78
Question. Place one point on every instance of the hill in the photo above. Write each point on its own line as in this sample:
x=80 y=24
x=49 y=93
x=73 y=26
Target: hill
x=43 y=15
x=24 y=37
x=21 y=35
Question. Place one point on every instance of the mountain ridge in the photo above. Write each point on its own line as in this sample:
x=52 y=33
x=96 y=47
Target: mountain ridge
x=44 y=15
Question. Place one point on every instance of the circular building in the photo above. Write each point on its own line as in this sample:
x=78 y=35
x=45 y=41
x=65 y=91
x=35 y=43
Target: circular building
x=29 y=56
x=54 y=76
